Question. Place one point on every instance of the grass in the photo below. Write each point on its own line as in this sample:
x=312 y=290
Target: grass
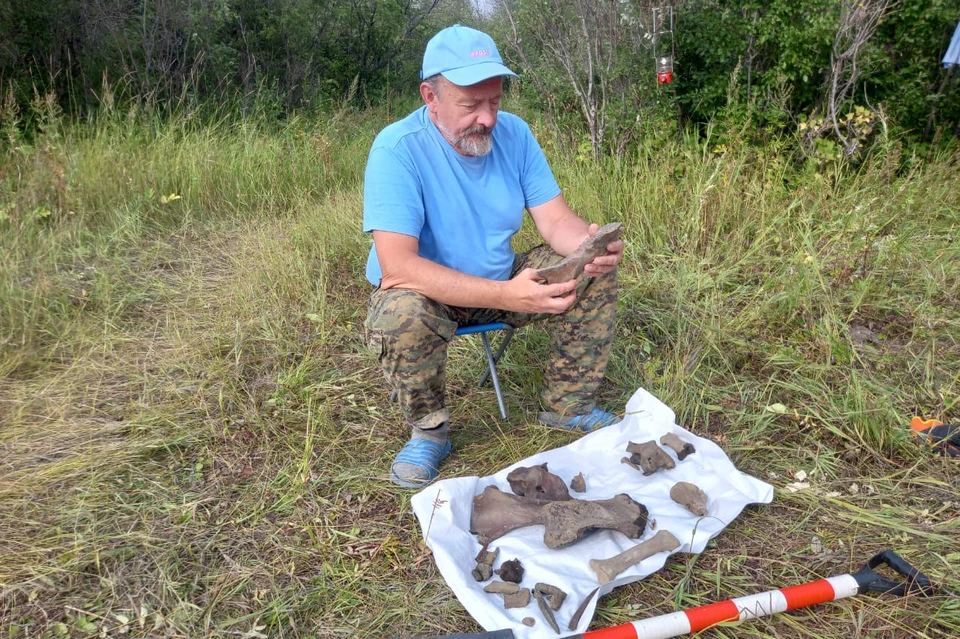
x=196 y=441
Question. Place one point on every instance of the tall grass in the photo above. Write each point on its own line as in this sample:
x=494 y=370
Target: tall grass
x=196 y=440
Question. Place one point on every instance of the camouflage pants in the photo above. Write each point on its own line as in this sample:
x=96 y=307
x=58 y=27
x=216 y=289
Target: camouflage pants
x=410 y=333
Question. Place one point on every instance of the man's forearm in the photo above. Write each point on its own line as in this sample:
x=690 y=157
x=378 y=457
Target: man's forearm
x=445 y=285
x=568 y=235
x=561 y=228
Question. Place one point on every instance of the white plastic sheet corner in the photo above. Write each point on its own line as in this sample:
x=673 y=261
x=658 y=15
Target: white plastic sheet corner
x=444 y=510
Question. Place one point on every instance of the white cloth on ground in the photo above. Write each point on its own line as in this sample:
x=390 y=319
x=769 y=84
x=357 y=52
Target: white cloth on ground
x=444 y=509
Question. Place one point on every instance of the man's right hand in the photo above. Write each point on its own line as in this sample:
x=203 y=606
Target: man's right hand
x=526 y=293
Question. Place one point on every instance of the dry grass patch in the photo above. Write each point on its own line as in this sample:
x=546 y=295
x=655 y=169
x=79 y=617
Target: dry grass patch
x=196 y=441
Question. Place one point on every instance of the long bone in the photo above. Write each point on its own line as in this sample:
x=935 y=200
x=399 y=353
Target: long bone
x=608 y=569
x=496 y=513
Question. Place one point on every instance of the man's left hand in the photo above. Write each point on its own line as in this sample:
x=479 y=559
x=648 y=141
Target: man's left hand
x=604 y=263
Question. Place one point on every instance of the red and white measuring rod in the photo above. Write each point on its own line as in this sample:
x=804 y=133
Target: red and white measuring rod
x=740 y=609
x=764 y=604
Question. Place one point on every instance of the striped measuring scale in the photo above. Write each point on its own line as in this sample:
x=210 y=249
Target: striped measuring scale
x=760 y=605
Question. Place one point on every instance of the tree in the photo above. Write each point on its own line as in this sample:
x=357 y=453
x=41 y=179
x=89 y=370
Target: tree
x=591 y=46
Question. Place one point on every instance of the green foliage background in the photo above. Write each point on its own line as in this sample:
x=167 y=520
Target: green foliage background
x=291 y=54
x=788 y=44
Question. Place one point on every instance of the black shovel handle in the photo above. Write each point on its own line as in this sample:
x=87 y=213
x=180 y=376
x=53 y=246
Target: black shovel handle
x=916 y=583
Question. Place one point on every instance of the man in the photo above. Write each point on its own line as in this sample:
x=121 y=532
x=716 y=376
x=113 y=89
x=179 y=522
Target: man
x=444 y=192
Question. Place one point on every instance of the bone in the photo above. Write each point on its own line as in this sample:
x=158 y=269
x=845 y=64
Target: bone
x=553 y=595
x=529 y=622
x=537 y=482
x=578 y=484
x=690 y=497
x=511 y=571
x=519 y=599
x=650 y=457
x=544 y=606
x=608 y=569
x=502 y=588
x=572 y=265
x=575 y=619
x=485 y=561
x=680 y=447
x=496 y=513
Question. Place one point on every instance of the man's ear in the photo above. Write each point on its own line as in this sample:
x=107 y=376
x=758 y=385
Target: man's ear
x=429 y=96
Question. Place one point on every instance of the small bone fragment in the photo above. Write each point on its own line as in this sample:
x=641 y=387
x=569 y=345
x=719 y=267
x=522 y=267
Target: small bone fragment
x=545 y=610
x=575 y=619
x=650 y=457
x=518 y=599
x=482 y=572
x=608 y=569
x=578 y=484
x=680 y=447
x=485 y=561
x=502 y=588
x=511 y=571
x=628 y=462
x=537 y=482
x=496 y=513
x=529 y=622
x=552 y=594
x=572 y=265
x=690 y=497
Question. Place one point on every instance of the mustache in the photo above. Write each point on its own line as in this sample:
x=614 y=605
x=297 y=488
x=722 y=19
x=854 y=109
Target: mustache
x=478 y=129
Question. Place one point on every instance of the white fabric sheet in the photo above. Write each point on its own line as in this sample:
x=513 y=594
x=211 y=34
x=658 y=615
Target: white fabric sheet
x=444 y=510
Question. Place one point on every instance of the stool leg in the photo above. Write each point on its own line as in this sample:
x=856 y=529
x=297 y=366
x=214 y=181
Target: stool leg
x=492 y=367
x=496 y=358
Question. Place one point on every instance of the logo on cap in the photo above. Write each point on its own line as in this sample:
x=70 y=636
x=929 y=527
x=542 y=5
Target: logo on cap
x=480 y=53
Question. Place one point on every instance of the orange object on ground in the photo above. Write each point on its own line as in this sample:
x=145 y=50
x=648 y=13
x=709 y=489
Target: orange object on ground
x=943 y=437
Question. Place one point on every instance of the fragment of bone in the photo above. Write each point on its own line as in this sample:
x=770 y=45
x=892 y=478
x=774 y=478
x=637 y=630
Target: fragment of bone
x=518 y=599
x=545 y=610
x=496 y=513
x=511 y=571
x=482 y=572
x=608 y=569
x=575 y=619
x=572 y=265
x=578 y=484
x=485 y=561
x=553 y=595
x=529 y=622
x=537 y=482
x=680 y=447
x=650 y=457
x=690 y=497
x=502 y=588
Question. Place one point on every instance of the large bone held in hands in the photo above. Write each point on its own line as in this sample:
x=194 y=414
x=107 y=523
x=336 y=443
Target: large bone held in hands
x=608 y=569
x=495 y=513
x=572 y=265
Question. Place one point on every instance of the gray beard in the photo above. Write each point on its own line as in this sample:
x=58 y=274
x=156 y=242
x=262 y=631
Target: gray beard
x=470 y=144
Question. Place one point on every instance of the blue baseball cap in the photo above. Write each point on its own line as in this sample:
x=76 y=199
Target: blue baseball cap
x=463 y=55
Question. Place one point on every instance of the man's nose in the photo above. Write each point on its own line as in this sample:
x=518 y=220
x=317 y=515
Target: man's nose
x=487 y=116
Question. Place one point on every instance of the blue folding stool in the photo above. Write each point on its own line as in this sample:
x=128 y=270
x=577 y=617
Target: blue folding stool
x=492 y=358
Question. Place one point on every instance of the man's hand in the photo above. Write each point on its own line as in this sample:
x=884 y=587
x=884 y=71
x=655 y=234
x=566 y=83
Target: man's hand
x=604 y=263
x=525 y=294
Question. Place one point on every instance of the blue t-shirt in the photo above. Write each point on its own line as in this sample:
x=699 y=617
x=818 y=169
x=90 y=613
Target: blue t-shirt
x=463 y=210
